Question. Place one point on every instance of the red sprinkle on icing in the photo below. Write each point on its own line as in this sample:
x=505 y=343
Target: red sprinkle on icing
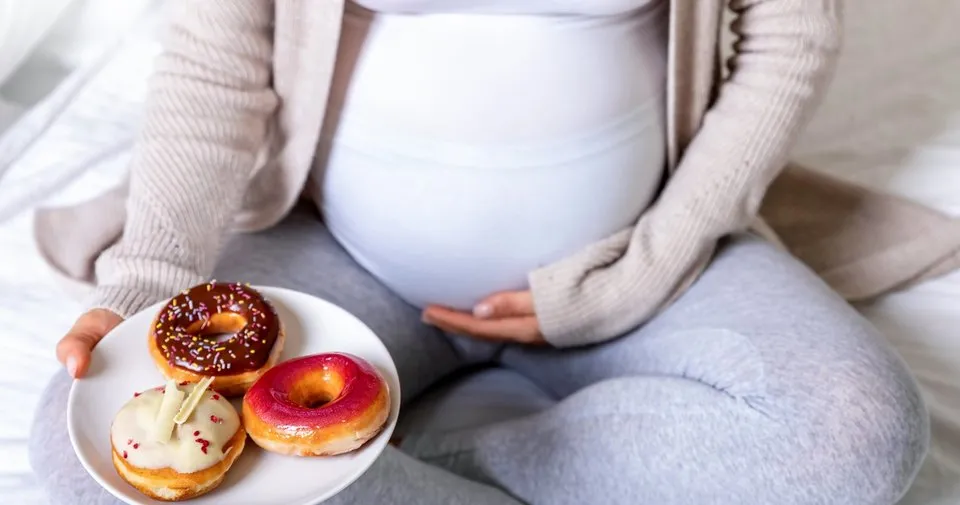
x=124 y=454
x=203 y=444
x=136 y=446
x=216 y=396
x=196 y=433
x=129 y=441
x=215 y=419
x=136 y=394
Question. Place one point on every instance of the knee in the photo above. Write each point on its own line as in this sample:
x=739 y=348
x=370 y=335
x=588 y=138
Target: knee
x=874 y=434
x=49 y=445
x=50 y=417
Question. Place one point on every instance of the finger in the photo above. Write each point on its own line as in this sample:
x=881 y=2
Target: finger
x=515 y=329
x=74 y=349
x=506 y=304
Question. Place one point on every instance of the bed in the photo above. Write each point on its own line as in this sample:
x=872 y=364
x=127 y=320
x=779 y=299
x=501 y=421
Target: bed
x=892 y=121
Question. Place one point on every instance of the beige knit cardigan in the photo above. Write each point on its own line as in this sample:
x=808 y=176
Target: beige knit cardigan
x=237 y=102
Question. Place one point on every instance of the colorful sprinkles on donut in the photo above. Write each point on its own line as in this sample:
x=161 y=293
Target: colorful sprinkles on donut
x=191 y=330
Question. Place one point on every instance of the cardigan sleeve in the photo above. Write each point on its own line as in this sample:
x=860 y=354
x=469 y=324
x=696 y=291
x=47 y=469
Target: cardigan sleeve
x=206 y=118
x=784 y=54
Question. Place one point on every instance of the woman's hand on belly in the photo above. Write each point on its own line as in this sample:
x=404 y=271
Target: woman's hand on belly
x=503 y=317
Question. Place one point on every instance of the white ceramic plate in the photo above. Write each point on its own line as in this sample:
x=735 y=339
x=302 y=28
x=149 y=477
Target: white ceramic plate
x=122 y=365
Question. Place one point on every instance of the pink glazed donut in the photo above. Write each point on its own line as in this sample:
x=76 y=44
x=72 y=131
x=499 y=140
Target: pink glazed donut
x=319 y=405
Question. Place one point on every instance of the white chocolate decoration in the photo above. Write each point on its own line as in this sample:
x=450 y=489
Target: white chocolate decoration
x=195 y=445
x=163 y=424
x=186 y=408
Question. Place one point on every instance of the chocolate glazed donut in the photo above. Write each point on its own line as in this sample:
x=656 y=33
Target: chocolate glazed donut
x=227 y=331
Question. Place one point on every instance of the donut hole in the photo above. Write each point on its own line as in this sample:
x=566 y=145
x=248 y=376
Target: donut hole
x=219 y=327
x=316 y=401
x=316 y=389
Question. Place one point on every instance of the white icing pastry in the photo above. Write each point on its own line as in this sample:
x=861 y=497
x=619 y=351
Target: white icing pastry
x=195 y=445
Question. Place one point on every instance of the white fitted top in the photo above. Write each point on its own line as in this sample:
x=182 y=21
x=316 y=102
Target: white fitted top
x=468 y=142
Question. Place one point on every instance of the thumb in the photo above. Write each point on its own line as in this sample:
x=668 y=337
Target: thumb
x=74 y=349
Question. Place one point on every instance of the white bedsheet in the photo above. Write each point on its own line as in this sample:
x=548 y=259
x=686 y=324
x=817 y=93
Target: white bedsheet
x=901 y=134
x=71 y=147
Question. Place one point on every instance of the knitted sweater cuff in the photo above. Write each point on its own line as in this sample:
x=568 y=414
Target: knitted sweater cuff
x=121 y=300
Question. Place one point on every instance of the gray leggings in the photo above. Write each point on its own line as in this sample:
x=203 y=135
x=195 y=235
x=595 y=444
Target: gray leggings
x=758 y=386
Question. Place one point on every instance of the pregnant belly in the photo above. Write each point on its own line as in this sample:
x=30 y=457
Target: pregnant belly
x=462 y=152
x=436 y=233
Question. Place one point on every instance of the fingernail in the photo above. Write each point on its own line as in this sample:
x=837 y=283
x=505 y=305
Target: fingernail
x=72 y=366
x=483 y=311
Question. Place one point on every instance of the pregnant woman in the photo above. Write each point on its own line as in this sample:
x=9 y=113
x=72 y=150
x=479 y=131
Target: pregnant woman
x=555 y=188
